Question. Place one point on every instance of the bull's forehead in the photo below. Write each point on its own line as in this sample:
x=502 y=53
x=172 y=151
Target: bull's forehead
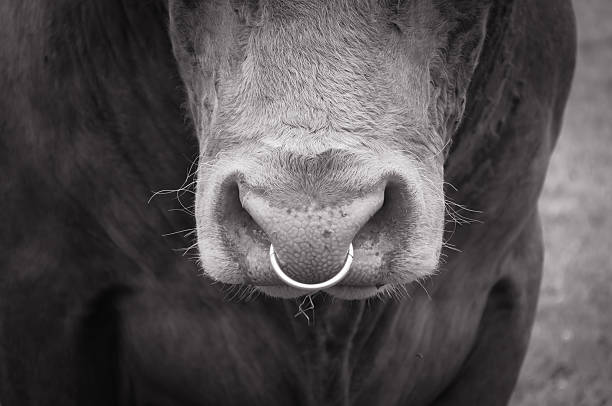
x=329 y=67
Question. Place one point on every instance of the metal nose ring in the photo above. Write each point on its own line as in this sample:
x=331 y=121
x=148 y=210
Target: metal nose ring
x=312 y=286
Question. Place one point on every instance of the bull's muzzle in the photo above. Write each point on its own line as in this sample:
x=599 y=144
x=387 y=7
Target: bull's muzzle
x=289 y=226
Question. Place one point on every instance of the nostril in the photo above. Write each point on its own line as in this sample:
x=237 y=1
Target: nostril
x=393 y=214
x=238 y=225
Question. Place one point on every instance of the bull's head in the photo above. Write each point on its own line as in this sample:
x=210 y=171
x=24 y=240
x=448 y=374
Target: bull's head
x=321 y=124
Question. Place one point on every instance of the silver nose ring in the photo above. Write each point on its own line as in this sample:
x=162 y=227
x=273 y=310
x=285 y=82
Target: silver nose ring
x=312 y=286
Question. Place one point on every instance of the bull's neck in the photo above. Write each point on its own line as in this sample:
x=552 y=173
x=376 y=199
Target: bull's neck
x=487 y=99
x=330 y=340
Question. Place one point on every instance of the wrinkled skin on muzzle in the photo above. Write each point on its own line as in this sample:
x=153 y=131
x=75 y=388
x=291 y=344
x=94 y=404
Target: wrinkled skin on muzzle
x=322 y=124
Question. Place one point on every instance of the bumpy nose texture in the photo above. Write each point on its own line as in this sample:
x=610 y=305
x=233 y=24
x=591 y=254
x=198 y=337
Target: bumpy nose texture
x=310 y=240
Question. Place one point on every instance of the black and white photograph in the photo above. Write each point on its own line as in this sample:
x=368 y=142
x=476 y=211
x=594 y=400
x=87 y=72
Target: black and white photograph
x=306 y=202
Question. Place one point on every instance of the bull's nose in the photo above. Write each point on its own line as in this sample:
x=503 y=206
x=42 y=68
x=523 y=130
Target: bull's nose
x=310 y=237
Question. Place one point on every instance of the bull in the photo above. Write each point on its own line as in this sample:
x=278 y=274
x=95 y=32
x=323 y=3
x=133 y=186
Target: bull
x=383 y=157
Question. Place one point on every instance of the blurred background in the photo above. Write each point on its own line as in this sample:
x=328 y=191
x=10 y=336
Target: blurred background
x=569 y=361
